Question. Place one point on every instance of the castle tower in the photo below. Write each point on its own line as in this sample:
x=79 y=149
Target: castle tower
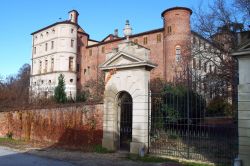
x=73 y=16
x=177 y=39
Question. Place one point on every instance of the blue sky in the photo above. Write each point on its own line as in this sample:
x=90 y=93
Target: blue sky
x=19 y=18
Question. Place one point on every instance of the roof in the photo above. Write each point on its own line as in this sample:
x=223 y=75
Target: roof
x=176 y=8
x=132 y=36
x=61 y=22
x=74 y=11
x=243 y=49
x=110 y=35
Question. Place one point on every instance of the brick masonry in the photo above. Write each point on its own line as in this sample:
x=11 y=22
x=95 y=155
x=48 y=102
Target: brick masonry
x=162 y=51
x=68 y=126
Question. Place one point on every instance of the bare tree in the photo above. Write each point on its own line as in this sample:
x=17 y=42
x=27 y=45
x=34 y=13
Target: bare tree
x=217 y=30
x=15 y=89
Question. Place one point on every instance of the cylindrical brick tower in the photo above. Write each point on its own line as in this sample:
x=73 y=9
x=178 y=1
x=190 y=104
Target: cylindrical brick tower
x=177 y=39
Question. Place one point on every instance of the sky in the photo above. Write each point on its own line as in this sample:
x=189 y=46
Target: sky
x=19 y=18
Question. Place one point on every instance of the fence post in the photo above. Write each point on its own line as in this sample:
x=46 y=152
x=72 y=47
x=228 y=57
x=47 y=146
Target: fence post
x=188 y=111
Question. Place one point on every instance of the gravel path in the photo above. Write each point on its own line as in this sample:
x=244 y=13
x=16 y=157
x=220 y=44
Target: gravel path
x=10 y=157
x=58 y=157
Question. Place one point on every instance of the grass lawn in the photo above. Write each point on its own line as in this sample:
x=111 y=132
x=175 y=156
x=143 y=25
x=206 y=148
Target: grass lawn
x=153 y=159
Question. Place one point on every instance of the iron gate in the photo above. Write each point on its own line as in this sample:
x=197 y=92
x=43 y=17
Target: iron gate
x=181 y=125
x=125 y=121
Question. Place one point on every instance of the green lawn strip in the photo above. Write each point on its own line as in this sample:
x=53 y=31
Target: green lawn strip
x=10 y=141
x=153 y=159
x=100 y=149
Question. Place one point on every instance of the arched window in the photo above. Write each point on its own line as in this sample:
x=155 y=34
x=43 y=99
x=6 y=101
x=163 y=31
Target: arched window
x=178 y=53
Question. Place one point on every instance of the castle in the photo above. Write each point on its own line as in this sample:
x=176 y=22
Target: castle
x=65 y=48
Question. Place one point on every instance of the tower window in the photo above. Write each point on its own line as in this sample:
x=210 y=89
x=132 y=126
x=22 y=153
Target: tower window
x=194 y=63
x=46 y=46
x=199 y=64
x=88 y=70
x=53 y=31
x=72 y=30
x=52 y=45
x=34 y=50
x=78 y=68
x=145 y=40
x=205 y=67
x=71 y=80
x=72 y=43
x=46 y=66
x=158 y=38
x=169 y=29
x=52 y=64
x=194 y=40
x=47 y=33
x=178 y=53
x=71 y=63
x=103 y=49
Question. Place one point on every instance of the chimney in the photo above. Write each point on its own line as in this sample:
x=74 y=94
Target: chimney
x=73 y=16
x=116 y=33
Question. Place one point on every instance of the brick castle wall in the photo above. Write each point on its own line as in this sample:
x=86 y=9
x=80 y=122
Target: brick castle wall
x=162 y=52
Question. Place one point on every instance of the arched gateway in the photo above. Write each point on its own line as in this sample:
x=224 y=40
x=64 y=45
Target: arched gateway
x=127 y=75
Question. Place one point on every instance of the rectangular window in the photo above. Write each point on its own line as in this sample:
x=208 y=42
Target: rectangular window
x=205 y=67
x=46 y=66
x=46 y=46
x=90 y=52
x=85 y=71
x=136 y=41
x=103 y=49
x=71 y=63
x=52 y=64
x=158 y=38
x=88 y=70
x=145 y=40
x=194 y=63
x=72 y=43
x=52 y=45
x=40 y=67
x=169 y=29
x=34 y=50
x=199 y=64
x=194 y=40
x=210 y=68
x=78 y=67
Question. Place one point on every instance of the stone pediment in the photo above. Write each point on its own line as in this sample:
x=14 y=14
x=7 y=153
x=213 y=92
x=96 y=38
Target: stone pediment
x=125 y=60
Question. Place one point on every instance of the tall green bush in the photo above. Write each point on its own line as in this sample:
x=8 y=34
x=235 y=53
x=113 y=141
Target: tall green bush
x=59 y=93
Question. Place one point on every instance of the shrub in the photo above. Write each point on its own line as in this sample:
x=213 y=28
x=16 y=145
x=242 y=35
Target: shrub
x=82 y=96
x=175 y=107
x=60 y=94
x=9 y=135
x=218 y=106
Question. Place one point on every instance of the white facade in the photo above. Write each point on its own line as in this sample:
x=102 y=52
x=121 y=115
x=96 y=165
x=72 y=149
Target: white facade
x=54 y=53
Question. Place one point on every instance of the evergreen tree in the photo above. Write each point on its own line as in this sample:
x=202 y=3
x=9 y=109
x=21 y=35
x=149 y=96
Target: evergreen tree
x=60 y=94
